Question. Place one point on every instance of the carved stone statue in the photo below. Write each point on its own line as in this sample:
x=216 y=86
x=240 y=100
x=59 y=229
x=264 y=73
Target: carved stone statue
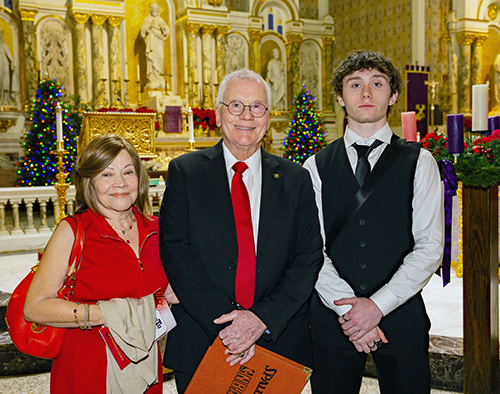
x=276 y=80
x=7 y=68
x=155 y=31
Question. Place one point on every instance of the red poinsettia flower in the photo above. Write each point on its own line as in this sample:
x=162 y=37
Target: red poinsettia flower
x=467 y=123
x=143 y=110
x=204 y=118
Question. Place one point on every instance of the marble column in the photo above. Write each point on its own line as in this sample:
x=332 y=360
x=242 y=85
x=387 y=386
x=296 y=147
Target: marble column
x=115 y=70
x=80 y=61
x=254 y=55
x=328 y=100
x=220 y=53
x=98 y=60
x=207 y=61
x=31 y=71
x=464 y=71
x=192 y=31
x=293 y=67
x=477 y=53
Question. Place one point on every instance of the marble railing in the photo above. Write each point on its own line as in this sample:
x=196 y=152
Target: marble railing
x=29 y=214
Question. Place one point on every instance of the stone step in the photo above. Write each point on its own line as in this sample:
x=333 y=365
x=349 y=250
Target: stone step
x=446 y=363
x=13 y=362
x=4 y=300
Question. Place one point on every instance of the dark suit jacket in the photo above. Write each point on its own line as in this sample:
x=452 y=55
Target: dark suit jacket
x=199 y=252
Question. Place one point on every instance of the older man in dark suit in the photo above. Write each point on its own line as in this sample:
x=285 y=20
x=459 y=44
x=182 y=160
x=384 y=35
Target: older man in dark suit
x=239 y=240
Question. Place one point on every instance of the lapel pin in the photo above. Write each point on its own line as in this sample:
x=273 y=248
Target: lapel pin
x=276 y=175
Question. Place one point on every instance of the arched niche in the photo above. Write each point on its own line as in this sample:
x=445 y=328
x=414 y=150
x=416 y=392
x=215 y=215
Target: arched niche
x=270 y=44
x=55 y=51
x=236 y=52
x=10 y=44
x=310 y=69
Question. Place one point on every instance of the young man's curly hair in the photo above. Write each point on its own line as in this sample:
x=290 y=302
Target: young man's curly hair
x=364 y=60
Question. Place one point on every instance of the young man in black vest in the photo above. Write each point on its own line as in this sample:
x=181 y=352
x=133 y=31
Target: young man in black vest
x=377 y=258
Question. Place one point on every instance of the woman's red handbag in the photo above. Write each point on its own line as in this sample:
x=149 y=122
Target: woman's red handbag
x=32 y=338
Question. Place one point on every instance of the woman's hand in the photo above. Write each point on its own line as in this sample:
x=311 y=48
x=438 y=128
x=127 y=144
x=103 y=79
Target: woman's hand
x=170 y=295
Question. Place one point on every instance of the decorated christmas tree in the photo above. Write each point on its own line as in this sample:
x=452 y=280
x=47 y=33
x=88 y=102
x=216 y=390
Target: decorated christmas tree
x=305 y=137
x=39 y=165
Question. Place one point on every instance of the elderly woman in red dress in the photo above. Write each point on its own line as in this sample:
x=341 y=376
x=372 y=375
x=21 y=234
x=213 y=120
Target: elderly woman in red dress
x=120 y=262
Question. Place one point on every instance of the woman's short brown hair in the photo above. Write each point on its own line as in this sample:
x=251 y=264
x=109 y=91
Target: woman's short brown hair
x=95 y=158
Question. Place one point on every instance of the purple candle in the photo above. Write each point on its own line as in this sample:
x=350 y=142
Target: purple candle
x=455 y=132
x=493 y=123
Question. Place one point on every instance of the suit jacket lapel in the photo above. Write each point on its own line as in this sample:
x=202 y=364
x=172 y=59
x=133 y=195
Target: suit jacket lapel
x=215 y=170
x=271 y=185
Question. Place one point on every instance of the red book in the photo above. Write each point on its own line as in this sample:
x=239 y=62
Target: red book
x=265 y=373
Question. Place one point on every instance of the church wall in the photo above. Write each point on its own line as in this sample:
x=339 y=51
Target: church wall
x=386 y=28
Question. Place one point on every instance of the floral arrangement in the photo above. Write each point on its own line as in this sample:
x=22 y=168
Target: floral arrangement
x=204 y=118
x=478 y=165
x=159 y=163
x=142 y=110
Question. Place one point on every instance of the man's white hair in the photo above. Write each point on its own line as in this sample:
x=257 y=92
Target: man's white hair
x=244 y=73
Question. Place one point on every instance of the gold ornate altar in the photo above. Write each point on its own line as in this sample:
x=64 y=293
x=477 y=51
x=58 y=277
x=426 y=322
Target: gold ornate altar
x=138 y=128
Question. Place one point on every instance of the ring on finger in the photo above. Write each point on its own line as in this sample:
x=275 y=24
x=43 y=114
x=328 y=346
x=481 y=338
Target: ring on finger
x=372 y=347
x=242 y=354
x=378 y=343
x=343 y=317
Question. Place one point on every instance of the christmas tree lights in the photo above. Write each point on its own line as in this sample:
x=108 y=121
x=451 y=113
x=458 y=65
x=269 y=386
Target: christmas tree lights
x=39 y=165
x=305 y=137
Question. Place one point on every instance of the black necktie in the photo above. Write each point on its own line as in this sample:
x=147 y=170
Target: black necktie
x=363 y=166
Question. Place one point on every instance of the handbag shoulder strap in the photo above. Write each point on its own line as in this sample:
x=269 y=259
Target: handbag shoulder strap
x=365 y=191
x=75 y=258
x=77 y=244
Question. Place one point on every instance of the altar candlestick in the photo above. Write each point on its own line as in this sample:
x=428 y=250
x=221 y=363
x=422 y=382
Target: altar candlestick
x=409 y=124
x=493 y=123
x=455 y=133
x=480 y=108
x=190 y=125
x=59 y=129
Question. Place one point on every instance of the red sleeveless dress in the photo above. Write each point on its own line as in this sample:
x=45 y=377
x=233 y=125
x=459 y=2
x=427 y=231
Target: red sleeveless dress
x=109 y=269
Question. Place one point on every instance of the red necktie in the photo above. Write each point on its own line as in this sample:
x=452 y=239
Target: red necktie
x=245 y=270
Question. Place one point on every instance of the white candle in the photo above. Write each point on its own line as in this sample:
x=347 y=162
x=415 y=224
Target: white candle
x=190 y=125
x=138 y=72
x=59 y=129
x=480 y=108
x=115 y=72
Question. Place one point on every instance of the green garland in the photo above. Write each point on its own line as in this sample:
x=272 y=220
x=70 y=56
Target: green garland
x=478 y=165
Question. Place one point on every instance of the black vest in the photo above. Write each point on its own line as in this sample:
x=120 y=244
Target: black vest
x=372 y=245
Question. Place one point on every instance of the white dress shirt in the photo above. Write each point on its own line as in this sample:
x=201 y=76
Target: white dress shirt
x=252 y=178
x=427 y=228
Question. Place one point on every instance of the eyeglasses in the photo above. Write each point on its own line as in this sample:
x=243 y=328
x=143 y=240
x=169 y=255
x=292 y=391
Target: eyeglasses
x=236 y=108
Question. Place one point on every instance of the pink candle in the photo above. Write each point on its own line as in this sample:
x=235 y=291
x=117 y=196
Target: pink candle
x=409 y=124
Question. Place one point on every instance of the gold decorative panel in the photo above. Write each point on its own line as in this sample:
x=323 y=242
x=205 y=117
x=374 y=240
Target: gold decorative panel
x=6 y=124
x=138 y=128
